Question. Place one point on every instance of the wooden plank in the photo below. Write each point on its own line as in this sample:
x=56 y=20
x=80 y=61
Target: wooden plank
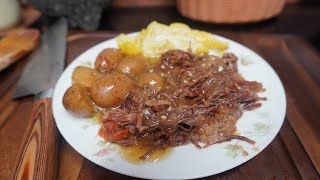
x=303 y=75
x=90 y=170
x=38 y=152
x=11 y=135
x=16 y=45
x=306 y=132
x=302 y=93
x=70 y=161
x=306 y=55
x=10 y=75
x=5 y=103
x=304 y=107
x=297 y=152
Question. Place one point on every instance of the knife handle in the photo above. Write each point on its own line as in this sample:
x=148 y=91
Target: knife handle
x=37 y=158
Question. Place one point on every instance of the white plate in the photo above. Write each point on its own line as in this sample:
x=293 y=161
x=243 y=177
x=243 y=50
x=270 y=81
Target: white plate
x=261 y=125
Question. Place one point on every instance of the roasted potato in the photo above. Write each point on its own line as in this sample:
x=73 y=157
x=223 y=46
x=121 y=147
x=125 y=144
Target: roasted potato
x=108 y=59
x=111 y=90
x=77 y=101
x=85 y=76
x=132 y=65
x=151 y=80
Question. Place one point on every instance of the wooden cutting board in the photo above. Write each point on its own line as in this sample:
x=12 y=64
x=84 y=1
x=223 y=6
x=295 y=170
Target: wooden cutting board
x=16 y=44
x=293 y=154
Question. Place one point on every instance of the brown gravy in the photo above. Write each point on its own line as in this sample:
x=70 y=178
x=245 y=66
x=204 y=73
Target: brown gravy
x=133 y=153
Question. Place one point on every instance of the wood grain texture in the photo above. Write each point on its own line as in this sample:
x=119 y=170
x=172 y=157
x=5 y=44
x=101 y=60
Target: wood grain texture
x=66 y=171
x=37 y=157
x=11 y=135
x=10 y=75
x=290 y=155
x=17 y=44
x=301 y=161
x=302 y=89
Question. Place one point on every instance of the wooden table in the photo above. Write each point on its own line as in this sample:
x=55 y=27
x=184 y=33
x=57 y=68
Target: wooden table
x=293 y=154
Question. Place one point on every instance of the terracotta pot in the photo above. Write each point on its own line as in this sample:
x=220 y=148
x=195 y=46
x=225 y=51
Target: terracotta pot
x=230 y=11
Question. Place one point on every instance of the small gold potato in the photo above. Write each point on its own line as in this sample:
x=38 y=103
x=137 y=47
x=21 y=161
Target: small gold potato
x=132 y=65
x=77 y=101
x=108 y=59
x=85 y=76
x=111 y=90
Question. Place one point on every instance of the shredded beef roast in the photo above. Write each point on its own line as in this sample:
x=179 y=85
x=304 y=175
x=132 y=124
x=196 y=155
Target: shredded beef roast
x=200 y=102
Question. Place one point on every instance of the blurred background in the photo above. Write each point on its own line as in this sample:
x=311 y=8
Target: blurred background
x=298 y=17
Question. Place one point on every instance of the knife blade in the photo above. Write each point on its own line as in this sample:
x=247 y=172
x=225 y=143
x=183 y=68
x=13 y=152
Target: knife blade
x=37 y=158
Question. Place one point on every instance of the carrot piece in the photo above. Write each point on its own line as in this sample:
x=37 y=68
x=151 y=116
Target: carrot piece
x=118 y=136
